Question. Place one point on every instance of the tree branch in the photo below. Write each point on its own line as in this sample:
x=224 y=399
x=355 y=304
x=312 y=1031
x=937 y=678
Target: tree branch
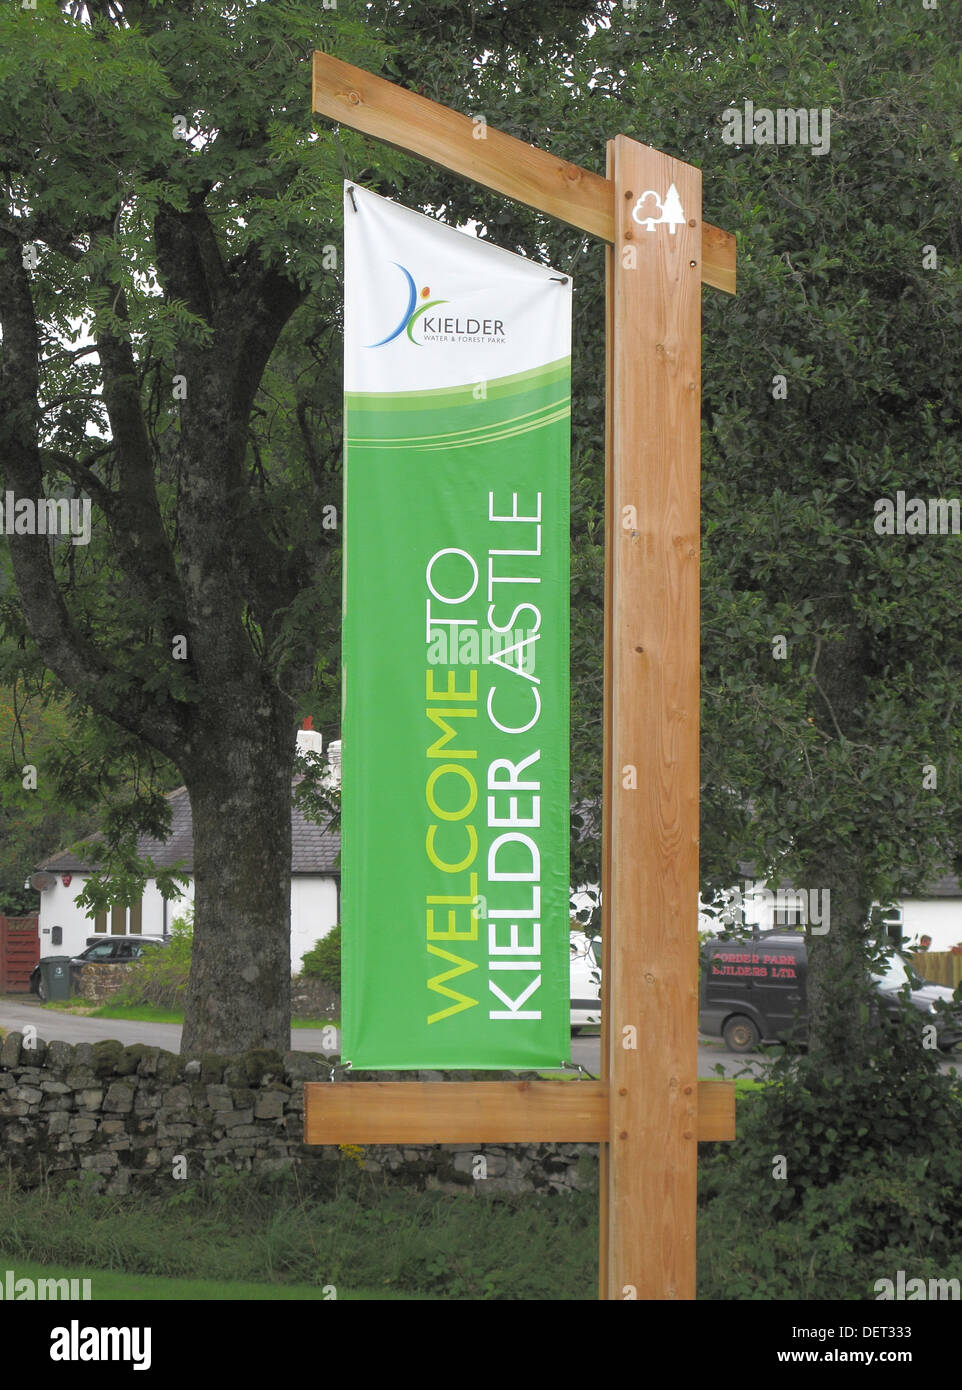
x=72 y=657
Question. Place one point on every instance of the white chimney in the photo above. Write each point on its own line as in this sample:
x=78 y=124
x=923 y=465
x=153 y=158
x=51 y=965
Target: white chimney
x=334 y=758
x=310 y=741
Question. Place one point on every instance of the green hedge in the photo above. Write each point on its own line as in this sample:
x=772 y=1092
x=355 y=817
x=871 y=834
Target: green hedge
x=160 y=975
x=323 y=960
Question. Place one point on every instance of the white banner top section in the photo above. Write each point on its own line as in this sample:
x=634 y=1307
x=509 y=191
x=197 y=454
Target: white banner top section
x=435 y=307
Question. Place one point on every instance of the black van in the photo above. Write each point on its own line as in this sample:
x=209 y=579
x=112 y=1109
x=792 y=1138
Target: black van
x=755 y=991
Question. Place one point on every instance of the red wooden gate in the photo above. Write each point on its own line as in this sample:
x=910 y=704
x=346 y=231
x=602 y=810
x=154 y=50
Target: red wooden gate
x=19 y=952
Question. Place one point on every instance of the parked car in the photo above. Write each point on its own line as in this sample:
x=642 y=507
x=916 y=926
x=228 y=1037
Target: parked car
x=104 y=950
x=924 y=994
x=756 y=991
x=585 y=980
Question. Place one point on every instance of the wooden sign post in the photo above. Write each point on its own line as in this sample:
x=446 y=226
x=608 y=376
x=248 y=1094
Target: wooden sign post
x=649 y=1109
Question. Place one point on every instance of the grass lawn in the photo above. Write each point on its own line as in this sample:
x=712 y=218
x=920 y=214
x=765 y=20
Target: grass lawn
x=149 y=1013
x=238 y=1237
x=108 y=1285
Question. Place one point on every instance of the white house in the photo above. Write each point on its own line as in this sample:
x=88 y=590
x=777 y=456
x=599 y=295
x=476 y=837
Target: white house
x=315 y=882
x=936 y=913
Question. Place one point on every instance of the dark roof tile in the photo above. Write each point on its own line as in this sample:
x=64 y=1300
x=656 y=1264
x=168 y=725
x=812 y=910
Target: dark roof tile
x=315 y=850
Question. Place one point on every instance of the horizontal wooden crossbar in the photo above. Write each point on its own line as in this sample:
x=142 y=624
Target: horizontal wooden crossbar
x=488 y=156
x=468 y=1112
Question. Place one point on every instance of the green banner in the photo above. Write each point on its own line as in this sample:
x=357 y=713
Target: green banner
x=455 y=795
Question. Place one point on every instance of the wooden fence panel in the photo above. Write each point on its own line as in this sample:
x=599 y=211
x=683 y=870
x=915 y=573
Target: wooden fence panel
x=941 y=967
x=19 y=952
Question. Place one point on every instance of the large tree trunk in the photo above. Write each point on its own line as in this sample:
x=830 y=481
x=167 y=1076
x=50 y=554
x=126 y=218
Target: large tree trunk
x=838 y=990
x=239 y=995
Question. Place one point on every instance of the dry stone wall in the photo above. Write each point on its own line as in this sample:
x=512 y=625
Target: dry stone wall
x=98 y=983
x=310 y=998
x=133 y=1118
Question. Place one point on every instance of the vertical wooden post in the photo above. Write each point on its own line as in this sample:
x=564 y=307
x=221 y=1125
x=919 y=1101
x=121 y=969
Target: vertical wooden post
x=651 y=825
x=604 y=1157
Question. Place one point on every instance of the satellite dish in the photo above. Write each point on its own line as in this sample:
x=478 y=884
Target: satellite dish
x=42 y=881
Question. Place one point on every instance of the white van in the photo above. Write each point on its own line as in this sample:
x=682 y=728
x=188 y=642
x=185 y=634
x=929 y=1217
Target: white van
x=585 y=980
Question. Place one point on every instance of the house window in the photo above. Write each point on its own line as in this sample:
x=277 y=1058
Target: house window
x=56 y=936
x=124 y=920
x=790 y=904
x=894 y=924
x=789 y=916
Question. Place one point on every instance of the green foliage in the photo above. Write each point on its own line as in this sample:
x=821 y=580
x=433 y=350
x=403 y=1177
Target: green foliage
x=115 y=207
x=315 y=792
x=827 y=1250
x=814 y=761
x=323 y=960
x=812 y=766
x=159 y=977
x=33 y=823
x=873 y=1178
x=97 y=788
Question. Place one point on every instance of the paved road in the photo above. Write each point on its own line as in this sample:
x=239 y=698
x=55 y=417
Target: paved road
x=18 y=1010
x=586 y=1051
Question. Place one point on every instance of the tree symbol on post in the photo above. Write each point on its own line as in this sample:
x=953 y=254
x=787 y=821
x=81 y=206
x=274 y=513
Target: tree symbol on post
x=671 y=210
